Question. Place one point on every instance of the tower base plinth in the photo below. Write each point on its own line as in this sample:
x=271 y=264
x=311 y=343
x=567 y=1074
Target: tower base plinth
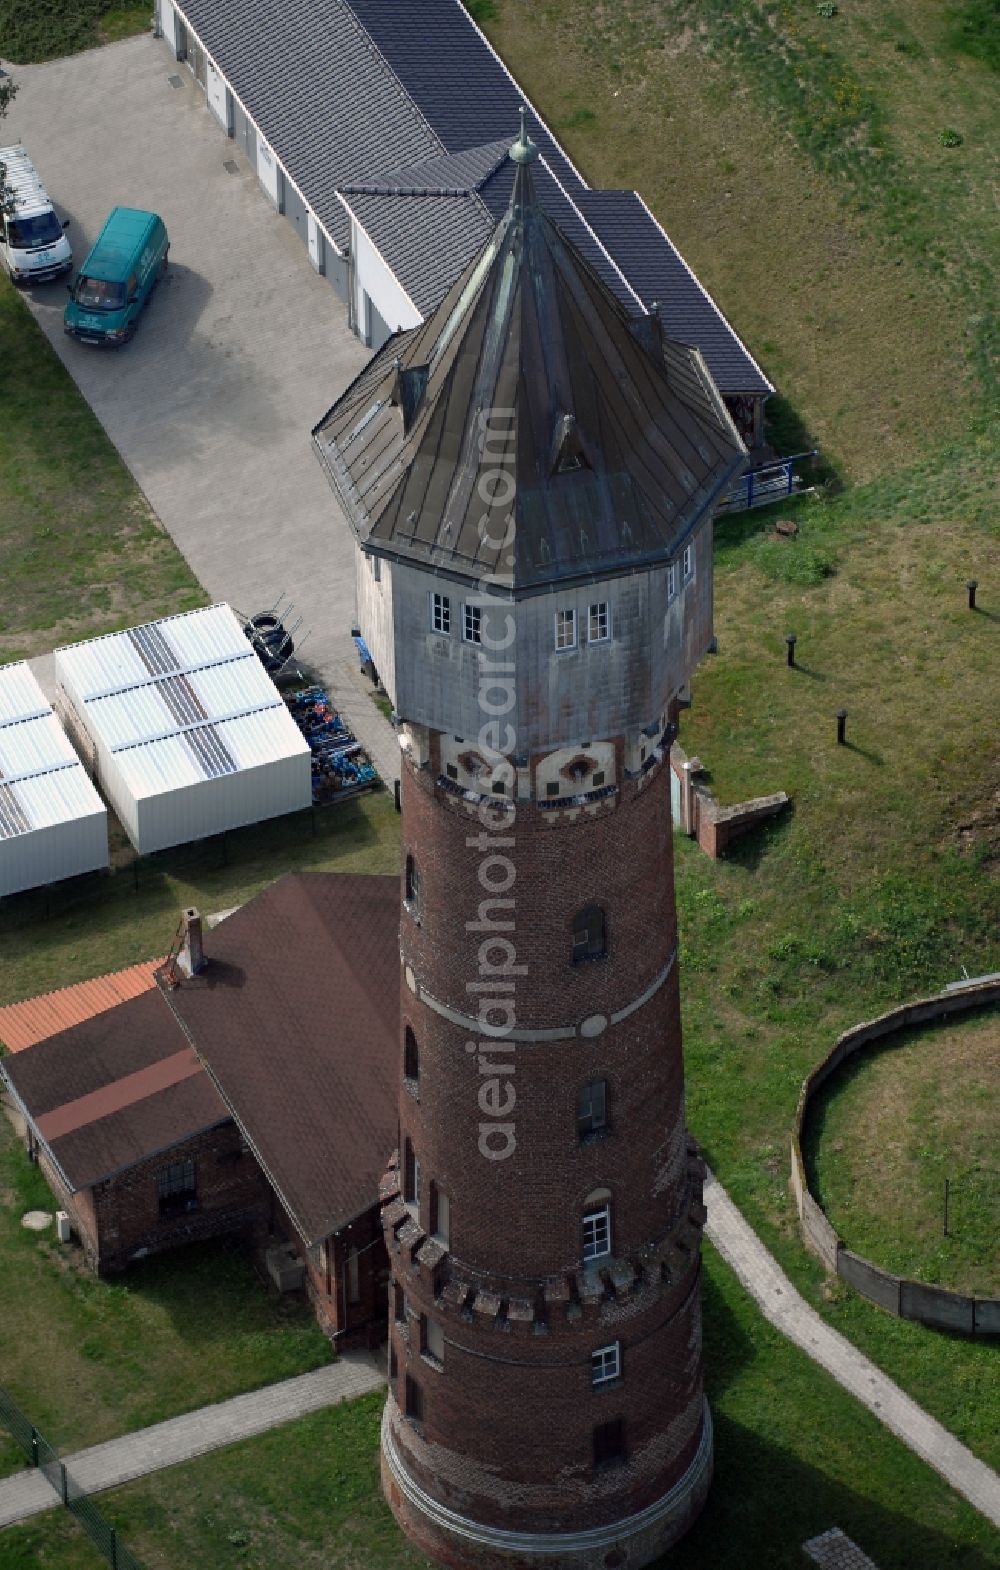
x=461 y=1543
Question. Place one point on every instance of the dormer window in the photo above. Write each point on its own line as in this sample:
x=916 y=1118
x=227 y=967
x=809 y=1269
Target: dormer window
x=567 y=454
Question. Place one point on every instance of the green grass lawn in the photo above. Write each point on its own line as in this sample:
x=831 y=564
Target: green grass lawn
x=794 y=1455
x=82 y=552
x=32 y=30
x=797 y=162
x=87 y=1360
x=890 y=1128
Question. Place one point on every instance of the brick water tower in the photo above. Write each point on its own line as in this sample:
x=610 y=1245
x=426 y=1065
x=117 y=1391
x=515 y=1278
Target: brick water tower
x=530 y=476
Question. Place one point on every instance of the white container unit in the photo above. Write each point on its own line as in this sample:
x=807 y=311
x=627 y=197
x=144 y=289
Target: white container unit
x=188 y=733
x=53 y=824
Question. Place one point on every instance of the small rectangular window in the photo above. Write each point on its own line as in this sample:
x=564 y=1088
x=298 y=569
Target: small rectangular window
x=353 y=1277
x=398 y=1304
x=671 y=582
x=442 y=1229
x=599 y=625
x=597 y=1233
x=688 y=560
x=609 y=1443
x=565 y=629
x=440 y=613
x=375 y=563
x=393 y=1362
x=592 y=1108
x=414 y=1400
x=606 y=1364
x=433 y=1338
x=472 y=624
x=416 y=1185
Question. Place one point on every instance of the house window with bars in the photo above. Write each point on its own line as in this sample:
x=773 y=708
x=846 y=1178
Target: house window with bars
x=472 y=623
x=565 y=630
x=599 y=622
x=590 y=938
x=592 y=1109
x=178 y=1188
x=606 y=1364
x=440 y=613
x=597 y=1232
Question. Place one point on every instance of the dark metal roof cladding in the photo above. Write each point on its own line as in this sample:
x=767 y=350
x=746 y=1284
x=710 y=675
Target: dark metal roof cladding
x=394 y=110
x=605 y=450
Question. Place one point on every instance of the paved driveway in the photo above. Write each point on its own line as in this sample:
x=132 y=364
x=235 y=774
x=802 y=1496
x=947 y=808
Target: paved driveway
x=240 y=351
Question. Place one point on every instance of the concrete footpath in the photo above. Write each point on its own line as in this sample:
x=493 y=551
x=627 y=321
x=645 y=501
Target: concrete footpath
x=182 y=1438
x=788 y=1311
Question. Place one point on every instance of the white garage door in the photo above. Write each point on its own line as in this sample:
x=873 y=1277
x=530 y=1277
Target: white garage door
x=218 y=97
x=267 y=169
x=168 y=23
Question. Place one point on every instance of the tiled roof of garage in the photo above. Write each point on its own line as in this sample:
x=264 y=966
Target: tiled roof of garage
x=354 y=93
x=311 y=78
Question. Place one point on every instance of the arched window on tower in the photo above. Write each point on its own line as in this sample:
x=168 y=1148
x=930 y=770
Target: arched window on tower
x=412 y=884
x=411 y=1056
x=590 y=939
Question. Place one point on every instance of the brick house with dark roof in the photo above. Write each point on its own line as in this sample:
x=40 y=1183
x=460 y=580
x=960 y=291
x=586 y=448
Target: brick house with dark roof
x=255 y=1097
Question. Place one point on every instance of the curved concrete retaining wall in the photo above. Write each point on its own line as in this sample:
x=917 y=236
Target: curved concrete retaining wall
x=906 y=1299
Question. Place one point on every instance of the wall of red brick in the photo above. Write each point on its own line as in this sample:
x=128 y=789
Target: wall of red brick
x=348 y=1319
x=506 y=1436
x=232 y=1196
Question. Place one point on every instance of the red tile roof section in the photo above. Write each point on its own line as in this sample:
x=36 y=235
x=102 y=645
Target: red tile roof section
x=24 y=1024
x=121 y=1093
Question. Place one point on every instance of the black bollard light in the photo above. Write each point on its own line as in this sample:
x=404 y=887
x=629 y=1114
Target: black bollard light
x=972 y=584
x=791 y=640
x=841 y=727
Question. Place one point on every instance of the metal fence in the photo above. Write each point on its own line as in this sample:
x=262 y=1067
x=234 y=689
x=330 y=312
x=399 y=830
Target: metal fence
x=41 y=1454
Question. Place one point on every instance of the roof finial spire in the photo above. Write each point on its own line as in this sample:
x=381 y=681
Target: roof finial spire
x=524 y=150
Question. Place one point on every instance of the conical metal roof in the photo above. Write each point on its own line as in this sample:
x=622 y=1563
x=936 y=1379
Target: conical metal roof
x=530 y=431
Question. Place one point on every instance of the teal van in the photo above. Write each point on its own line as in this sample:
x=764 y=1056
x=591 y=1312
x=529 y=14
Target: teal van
x=117 y=278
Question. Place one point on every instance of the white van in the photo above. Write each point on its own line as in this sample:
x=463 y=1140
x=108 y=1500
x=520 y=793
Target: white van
x=33 y=247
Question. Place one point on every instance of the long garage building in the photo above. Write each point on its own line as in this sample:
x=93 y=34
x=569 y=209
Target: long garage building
x=381 y=130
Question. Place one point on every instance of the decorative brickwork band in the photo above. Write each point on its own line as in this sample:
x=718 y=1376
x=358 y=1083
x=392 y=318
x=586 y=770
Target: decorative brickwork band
x=634 y=1541
x=593 y=1025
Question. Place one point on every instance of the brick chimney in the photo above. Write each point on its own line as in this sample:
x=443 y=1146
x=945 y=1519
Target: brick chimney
x=191 y=958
